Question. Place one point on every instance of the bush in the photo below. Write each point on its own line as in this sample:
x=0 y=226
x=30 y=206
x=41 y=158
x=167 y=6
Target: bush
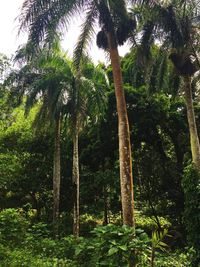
x=113 y=246
x=177 y=259
x=3 y=252
x=87 y=224
x=39 y=229
x=191 y=188
x=24 y=258
x=148 y=224
x=109 y=246
x=13 y=226
x=47 y=247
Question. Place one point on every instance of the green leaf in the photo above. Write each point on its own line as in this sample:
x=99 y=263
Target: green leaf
x=163 y=244
x=113 y=242
x=123 y=247
x=112 y=251
x=78 y=251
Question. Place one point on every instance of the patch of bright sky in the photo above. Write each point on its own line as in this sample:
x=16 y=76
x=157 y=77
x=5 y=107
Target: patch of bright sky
x=9 y=43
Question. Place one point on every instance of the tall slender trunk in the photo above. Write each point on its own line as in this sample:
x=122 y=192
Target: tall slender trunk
x=194 y=139
x=76 y=182
x=125 y=157
x=106 y=205
x=56 y=176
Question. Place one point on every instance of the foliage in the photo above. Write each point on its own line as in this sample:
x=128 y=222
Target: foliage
x=109 y=245
x=159 y=136
x=13 y=226
x=23 y=257
x=157 y=240
x=87 y=224
x=149 y=223
x=157 y=243
x=178 y=259
x=191 y=188
x=39 y=230
x=116 y=245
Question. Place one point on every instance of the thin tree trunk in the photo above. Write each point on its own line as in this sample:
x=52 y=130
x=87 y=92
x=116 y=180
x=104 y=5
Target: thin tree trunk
x=76 y=183
x=125 y=157
x=56 y=177
x=194 y=139
x=106 y=205
x=152 y=257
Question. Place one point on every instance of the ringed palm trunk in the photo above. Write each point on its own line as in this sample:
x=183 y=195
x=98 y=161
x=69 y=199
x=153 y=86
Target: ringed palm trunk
x=76 y=182
x=125 y=157
x=194 y=139
x=56 y=176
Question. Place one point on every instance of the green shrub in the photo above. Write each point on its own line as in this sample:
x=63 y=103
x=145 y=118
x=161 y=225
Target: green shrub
x=39 y=229
x=113 y=246
x=13 y=226
x=109 y=246
x=3 y=252
x=87 y=224
x=191 y=189
x=148 y=224
x=24 y=258
x=143 y=221
x=47 y=247
x=177 y=259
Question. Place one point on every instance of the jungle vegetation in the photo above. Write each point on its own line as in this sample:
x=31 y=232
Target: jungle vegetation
x=100 y=163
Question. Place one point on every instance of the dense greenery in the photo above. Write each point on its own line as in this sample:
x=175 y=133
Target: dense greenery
x=107 y=246
x=190 y=183
x=62 y=202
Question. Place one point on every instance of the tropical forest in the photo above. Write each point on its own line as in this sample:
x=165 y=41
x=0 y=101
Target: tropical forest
x=100 y=161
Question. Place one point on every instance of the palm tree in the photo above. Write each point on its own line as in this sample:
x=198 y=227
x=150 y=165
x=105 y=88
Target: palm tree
x=86 y=101
x=173 y=22
x=65 y=93
x=42 y=80
x=44 y=19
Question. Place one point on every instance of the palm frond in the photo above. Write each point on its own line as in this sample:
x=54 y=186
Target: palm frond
x=31 y=98
x=174 y=83
x=87 y=31
x=29 y=10
x=168 y=20
x=144 y=48
x=158 y=78
x=162 y=72
x=44 y=19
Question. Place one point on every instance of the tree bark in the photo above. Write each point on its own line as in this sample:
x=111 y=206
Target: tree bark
x=194 y=139
x=76 y=183
x=125 y=157
x=56 y=176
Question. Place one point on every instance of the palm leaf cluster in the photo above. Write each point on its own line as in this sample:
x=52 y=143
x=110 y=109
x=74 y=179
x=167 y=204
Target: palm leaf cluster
x=47 y=20
x=170 y=25
x=114 y=18
x=52 y=80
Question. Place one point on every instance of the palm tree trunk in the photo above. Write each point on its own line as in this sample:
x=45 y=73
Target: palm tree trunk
x=125 y=157
x=76 y=183
x=194 y=139
x=56 y=176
